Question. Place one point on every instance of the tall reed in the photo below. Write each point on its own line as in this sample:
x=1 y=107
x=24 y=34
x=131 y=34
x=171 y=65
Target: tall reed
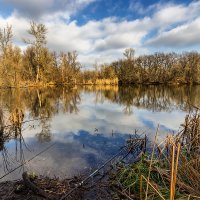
x=171 y=172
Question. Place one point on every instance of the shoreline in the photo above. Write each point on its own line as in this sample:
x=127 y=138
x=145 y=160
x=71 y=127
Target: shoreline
x=46 y=85
x=168 y=171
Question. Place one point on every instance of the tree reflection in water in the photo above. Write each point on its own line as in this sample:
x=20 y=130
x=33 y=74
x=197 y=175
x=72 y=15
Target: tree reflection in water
x=45 y=134
x=41 y=104
x=12 y=131
x=152 y=97
x=18 y=106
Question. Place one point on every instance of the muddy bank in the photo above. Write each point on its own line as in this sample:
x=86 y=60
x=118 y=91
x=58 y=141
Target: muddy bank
x=34 y=187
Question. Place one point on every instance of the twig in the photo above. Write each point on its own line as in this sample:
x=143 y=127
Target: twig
x=176 y=169
x=153 y=188
x=146 y=193
x=26 y=161
x=172 y=175
x=122 y=193
x=141 y=187
x=65 y=195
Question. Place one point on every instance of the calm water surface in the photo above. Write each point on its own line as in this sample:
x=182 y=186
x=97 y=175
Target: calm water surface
x=87 y=125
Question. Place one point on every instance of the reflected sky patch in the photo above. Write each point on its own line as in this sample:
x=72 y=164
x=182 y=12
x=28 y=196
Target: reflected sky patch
x=87 y=126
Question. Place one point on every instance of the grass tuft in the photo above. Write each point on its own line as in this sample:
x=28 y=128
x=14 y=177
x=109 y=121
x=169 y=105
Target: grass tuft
x=171 y=172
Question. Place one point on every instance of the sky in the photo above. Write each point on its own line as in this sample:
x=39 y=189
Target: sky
x=100 y=30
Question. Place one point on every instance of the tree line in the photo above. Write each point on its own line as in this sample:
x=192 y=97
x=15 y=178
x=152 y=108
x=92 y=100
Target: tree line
x=159 y=68
x=37 y=65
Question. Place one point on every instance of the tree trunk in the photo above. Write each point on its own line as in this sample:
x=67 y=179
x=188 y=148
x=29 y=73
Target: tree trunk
x=37 y=75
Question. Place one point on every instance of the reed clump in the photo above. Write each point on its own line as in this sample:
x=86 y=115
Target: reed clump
x=102 y=81
x=172 y=171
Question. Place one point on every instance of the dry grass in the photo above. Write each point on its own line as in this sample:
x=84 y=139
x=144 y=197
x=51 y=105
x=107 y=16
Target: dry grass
x=103 y=81
x=172 y=172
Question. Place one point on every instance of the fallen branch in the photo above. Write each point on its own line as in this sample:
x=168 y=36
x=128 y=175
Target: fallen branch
x=28 y=183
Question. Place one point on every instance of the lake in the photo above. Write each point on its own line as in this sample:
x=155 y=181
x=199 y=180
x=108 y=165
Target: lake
x=87 y=125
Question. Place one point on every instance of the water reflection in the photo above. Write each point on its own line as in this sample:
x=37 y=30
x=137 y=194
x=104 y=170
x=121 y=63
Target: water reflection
x=45 y=134
x=154 y=98
x=87 y=124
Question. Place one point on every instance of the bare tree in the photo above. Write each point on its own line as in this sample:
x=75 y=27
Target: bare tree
x=38 y=31
x=5 y=38
x=129 y=53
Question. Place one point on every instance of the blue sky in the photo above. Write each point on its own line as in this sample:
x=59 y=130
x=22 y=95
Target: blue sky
x=100 y=30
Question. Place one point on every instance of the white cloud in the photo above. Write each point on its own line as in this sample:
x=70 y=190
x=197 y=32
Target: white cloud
x=136 y=6
x=171 y=14
x=47 y=9
x=186 y=35
x=105 y=40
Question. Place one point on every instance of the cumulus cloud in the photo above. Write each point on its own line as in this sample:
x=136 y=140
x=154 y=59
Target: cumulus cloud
x=186 y=35
x=35 y=9
x=173 y=14
x=104 y=40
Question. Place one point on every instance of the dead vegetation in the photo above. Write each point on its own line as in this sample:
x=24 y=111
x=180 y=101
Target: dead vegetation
x=35 y=187
x=170 y=172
